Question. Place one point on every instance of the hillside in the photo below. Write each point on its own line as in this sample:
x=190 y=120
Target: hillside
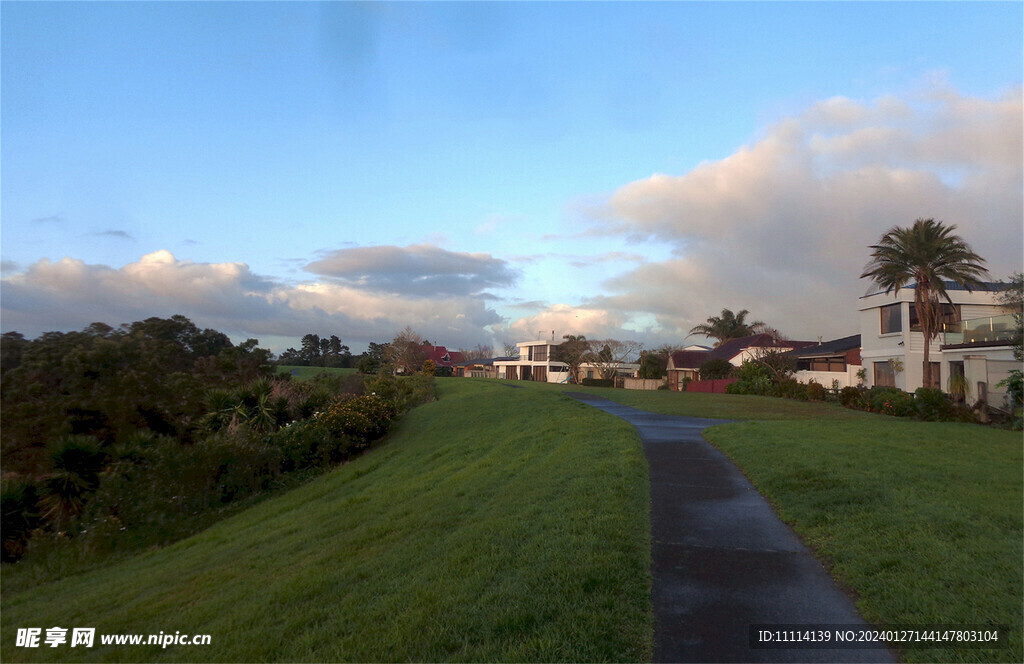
x=493 y=524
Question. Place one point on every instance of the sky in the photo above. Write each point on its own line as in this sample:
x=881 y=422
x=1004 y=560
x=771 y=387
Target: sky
x=487 y=173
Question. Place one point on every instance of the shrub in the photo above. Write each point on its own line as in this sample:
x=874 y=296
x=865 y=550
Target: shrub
x=715 y=369
x=304 y=444
x=890 y=401
x=361 y=419
x=816 y=391
x=789 y=388
x=76 y=463
x=932 y=405
x=20 y=516
x=753 y=379
x=599 y=382
x=853 y=397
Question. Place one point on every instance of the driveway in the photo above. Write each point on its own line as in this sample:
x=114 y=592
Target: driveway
x=721 y=560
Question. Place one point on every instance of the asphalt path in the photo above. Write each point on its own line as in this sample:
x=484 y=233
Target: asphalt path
x=722 y=561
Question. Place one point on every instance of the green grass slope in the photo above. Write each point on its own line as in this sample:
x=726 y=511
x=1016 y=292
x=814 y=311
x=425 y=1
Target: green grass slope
x=494 y=524
x=922 y=521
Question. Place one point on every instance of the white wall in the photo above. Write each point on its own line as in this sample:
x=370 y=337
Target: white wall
x=846 y=378
x=907 y=346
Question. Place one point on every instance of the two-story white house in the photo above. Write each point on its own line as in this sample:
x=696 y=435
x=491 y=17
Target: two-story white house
x=977 y=341
x=535 y=362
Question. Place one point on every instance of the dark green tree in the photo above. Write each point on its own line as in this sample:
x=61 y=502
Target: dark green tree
x=728 y=326
x=573 y=352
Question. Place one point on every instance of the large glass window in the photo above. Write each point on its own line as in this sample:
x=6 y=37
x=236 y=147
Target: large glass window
x=891 y=321
x=539 y=353
x=884 y=375
x=950 y=313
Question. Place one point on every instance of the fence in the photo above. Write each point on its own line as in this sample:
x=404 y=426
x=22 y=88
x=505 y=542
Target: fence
x=715 y=386
x=642 y=383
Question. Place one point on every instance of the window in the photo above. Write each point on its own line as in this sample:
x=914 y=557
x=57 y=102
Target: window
x=828 y=364
x=891 y=321
x=949 y=313
x=884 y=375
x=539 y=353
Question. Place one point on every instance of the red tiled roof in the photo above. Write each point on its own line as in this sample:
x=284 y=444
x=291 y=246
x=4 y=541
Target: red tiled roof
x=441 y=356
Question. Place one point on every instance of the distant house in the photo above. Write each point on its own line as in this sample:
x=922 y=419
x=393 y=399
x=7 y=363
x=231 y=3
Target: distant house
x=823 y=363
x=535 y=362
x=686 y=363
x=441 y=356
x=977 y=341
x=481 y=368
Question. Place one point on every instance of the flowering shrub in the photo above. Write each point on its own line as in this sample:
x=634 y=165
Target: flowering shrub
x=362 y=419
x=890 y=401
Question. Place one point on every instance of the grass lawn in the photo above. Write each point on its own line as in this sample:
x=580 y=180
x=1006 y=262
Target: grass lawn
x=921 y=521
x=483 y=529
x=308 y=372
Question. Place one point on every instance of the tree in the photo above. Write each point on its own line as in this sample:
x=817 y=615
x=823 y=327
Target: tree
x=573 y=352
x=406 y=352
x=608 y=354
x=481 y=352
x=511 y=350
x=926 y=255
x=375 y=356
x=1012 y=299
x=310 y=351
x=729 y=326
x=715 y=369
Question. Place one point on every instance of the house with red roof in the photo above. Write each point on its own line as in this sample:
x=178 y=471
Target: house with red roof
x=441 y=356
x=686 y=363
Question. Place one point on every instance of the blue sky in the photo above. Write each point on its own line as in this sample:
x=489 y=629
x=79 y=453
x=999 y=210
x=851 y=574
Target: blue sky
x=483 y=171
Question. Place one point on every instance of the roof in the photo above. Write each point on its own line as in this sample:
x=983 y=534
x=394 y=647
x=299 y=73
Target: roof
x=834 y=347
x=441 y=356
x=693 y=359
x=991 y=286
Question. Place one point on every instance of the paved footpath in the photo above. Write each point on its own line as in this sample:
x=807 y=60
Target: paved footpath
x=721 y=560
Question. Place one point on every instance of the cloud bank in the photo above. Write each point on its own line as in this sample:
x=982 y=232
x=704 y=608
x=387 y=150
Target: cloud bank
x=422 y=270
x=70 y=294
x=782 y=226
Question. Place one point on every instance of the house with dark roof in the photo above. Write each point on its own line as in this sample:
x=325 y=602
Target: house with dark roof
x=824 y=363
x=684 y=364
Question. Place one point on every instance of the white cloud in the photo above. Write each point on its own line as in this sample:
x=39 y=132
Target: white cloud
x=70 y=294
x=782 y=226
x=422 y=269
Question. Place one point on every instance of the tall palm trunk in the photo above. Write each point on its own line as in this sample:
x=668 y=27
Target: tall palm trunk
x=924 y=300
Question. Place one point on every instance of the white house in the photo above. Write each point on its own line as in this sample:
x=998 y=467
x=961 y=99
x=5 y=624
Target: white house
x=977 y=341
x=535 y=362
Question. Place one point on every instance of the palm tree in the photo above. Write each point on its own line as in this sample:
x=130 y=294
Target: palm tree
x=926 y=255
x=729 y=326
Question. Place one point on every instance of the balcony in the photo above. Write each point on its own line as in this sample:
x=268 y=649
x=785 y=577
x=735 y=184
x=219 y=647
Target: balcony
x=988 y=331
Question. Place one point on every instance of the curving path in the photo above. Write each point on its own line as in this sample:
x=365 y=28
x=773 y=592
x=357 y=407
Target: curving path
x=721 y=560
